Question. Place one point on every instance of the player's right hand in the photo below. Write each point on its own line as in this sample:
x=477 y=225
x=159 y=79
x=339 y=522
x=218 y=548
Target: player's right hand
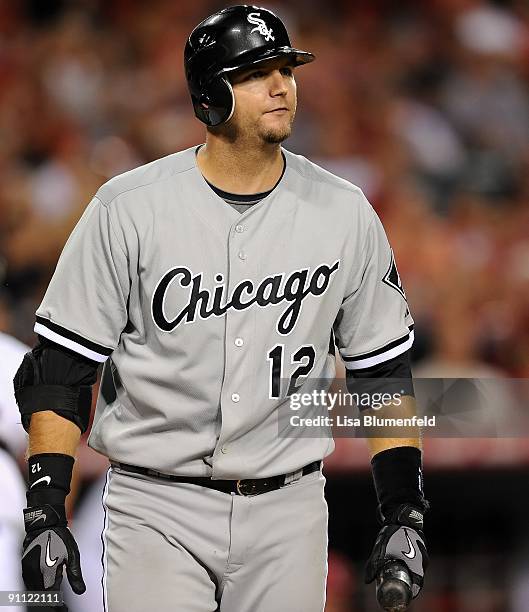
x=48 y=547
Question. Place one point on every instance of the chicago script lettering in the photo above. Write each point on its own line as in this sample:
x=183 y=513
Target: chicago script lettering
x=293 y=289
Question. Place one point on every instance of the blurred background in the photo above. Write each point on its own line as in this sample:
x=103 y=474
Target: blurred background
x=425 y=105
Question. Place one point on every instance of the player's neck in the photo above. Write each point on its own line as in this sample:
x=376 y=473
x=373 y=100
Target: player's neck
x=240 y=169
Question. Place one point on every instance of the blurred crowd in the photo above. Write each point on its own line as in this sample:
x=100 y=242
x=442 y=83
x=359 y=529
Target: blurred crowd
x=424 y=104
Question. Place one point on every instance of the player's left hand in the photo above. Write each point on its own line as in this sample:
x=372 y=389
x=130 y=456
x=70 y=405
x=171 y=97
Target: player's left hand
x=401 y=537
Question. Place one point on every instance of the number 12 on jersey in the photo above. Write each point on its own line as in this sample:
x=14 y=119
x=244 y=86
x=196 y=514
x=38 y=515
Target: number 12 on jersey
x=305 y=356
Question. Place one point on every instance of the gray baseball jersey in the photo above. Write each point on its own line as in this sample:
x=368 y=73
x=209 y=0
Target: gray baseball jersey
x=203 y=313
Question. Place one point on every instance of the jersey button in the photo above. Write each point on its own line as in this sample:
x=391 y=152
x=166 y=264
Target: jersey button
x=239 y=228
x=235 y=397
x=224 y=450
x=239 y=341
x=242 y=255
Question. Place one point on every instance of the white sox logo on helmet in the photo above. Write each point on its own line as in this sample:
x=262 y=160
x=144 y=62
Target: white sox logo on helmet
x=262 y=28
x=293 y=288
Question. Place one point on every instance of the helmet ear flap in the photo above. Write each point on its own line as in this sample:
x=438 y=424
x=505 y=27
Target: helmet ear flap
x=217 y=103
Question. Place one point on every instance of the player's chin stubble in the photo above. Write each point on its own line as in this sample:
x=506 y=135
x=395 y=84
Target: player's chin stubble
x=277 y=134
x=233 y=131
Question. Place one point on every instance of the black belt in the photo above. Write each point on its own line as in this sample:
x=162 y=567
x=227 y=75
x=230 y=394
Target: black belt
x=249 y=487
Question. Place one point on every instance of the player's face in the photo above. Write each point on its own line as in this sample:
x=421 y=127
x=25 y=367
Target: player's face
x=265 y=101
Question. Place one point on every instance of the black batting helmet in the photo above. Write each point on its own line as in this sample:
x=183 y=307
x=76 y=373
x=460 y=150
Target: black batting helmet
x=236 y=37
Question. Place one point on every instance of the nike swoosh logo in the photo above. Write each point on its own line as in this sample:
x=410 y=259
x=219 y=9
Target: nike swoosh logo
x=47 y=479
x=49 y=561
x=411 y=554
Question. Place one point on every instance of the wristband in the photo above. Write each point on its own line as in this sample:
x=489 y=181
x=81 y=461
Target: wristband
x=49 y=476
x=397 y=475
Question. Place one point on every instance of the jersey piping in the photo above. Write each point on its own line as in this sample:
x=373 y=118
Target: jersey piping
x=388 y=351
x=69 y=339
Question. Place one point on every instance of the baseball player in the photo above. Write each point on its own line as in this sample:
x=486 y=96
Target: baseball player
x=211 y=283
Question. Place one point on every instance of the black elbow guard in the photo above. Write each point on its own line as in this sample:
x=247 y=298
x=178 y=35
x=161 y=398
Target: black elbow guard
x=34 y=395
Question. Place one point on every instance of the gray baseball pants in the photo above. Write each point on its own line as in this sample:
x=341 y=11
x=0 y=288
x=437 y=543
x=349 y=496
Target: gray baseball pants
x=175 y=547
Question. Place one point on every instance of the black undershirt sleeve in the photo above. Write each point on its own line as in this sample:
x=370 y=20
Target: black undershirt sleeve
x=392 y=376
x=62 y=366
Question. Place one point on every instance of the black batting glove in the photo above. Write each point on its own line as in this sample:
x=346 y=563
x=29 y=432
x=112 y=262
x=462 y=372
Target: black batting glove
x=401 y=537
x=48 y=547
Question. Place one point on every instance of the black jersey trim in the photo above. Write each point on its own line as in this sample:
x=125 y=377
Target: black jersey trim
x=388 y=351
x=396 y=367
x=251 y=198
x=71 y=340
x=382 y=349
